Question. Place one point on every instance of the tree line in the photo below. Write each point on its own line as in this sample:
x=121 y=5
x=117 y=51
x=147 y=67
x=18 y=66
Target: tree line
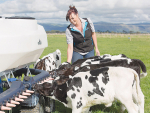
x=55 y=31
x=123 y=31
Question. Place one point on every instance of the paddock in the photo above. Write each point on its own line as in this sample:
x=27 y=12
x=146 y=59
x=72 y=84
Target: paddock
x=137 y=48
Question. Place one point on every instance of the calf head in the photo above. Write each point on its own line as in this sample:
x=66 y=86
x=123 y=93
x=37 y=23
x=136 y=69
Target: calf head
x=45 y=89
x=40 y=64
x=65 y=69
x=46 y=64
x=57 y=89
x=61 y=79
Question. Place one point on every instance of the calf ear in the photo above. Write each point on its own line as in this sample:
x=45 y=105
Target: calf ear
x=57 y=57
x=62 y=81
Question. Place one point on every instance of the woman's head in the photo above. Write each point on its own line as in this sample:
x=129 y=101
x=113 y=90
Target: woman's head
x=72 y=15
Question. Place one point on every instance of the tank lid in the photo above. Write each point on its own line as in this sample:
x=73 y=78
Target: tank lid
x=19 y=17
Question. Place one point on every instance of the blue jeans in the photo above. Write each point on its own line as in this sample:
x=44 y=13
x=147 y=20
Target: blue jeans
x=77 y=56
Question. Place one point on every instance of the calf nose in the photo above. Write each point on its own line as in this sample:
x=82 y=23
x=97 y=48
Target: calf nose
x=38 y=87
x=53 y=74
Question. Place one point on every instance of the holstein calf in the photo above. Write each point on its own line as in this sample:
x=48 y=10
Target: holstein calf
x=136 y=64
x=99 y=86
x=88 y=61
x=99 y=59
x=49 y=62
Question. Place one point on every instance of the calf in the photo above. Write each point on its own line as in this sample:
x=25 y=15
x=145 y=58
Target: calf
x=98 y=59
x=99 y=86
x=136 y=64
x=68 y=68
x=49 y=62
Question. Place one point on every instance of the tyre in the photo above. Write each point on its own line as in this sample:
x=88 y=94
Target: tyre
x=37 y=109
x=45 y=105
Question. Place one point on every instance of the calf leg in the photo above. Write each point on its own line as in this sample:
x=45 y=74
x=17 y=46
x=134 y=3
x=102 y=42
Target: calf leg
x=123 y=108
x=74 y=110
x=79 y=106
x=81 y=111
x=139 y=99
x=129 y=104
x=131 y=107
x=141 y=102
x=86 y=110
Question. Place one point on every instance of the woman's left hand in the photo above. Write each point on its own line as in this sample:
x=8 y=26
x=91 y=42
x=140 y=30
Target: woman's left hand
x=97 y=52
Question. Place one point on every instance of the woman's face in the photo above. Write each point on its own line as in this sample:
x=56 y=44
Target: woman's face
x=73 y=18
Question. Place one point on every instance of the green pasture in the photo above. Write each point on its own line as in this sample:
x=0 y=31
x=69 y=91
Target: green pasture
x=136 y=48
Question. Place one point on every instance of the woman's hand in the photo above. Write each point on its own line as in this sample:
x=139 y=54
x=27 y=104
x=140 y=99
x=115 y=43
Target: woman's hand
x=97 y=52
x=95 y=44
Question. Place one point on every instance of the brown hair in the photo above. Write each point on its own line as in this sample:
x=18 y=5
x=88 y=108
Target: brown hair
x=72 y=9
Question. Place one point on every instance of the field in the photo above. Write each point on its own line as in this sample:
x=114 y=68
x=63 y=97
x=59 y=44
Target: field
x=133 y=46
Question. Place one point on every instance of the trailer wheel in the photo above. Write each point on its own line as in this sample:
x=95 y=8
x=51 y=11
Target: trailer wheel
x=39 y=108
x=36 y=109
x=41 y=104
x=45 y=105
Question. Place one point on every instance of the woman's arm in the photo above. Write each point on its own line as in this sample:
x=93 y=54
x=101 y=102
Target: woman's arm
x=69 y=52
x=69 y=40
x=95 y=43
x=94 y=37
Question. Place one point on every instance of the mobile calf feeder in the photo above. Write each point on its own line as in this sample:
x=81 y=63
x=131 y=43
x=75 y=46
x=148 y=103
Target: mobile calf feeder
x=22 y=43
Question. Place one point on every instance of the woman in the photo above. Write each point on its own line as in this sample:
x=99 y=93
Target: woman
x=80 y=35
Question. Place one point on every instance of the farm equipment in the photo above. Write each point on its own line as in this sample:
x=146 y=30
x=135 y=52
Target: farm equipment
x=22 y=43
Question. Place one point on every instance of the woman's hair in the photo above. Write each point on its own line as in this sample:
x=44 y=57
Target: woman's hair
x=72 y=9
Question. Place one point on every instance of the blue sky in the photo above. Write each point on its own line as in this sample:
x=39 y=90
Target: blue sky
x=2 y=1
x=54 y=11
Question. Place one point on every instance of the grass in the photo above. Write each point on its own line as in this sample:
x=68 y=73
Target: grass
x=137 y=48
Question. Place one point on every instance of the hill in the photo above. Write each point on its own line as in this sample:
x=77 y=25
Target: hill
x=49 y=26
x=105 y=26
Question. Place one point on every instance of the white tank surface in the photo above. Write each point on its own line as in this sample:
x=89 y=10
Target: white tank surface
x=22 y=41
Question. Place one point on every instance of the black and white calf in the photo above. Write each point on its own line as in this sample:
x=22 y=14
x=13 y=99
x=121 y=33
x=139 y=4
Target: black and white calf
x=49 y=62
x=99 y=86
x=136 y=64
x=99 y=59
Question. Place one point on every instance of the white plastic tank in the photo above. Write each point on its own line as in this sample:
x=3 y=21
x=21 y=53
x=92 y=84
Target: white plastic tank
x=22 y=41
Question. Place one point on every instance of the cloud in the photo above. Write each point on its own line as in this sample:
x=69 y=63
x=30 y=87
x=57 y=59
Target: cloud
x=119 y=11
x=54 y=11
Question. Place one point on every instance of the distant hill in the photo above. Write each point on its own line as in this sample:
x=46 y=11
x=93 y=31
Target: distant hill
x=143 y=27
x=104 y=26
x=140 y=27
x=49 y=26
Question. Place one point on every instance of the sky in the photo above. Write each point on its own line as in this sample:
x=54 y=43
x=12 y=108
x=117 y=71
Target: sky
x=54 y=11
